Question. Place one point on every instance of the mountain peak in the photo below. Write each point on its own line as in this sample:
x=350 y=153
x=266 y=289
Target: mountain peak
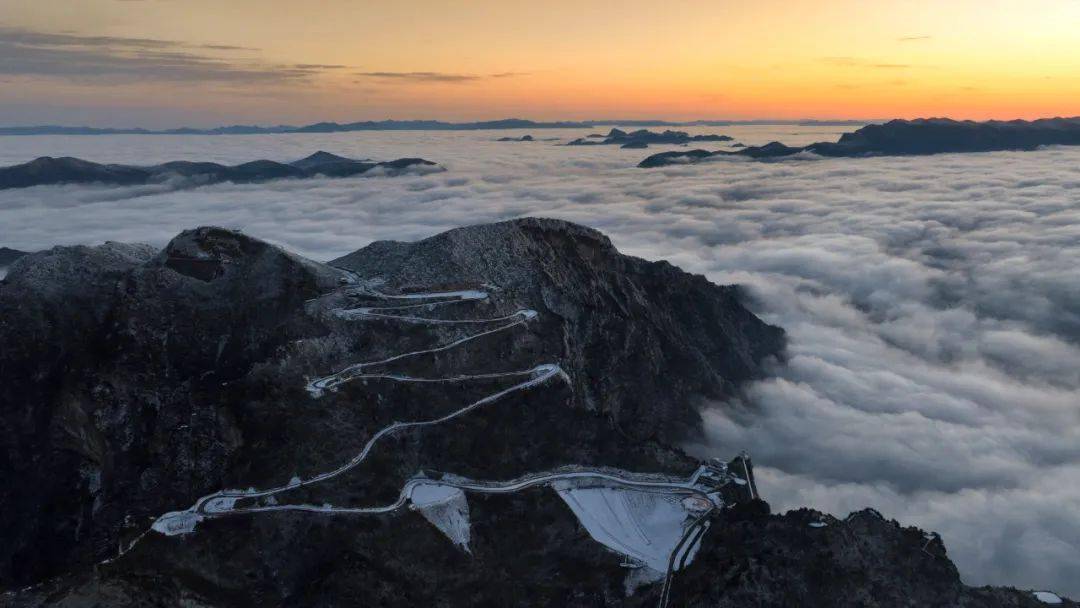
x=320 y=158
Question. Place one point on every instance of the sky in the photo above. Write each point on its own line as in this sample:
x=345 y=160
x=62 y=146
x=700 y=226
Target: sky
x=167 y=63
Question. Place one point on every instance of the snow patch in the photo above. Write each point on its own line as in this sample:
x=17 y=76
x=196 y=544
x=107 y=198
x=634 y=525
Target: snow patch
x=646 y=526
x=446 y=508
x=221 y=504
x=1046 y=597
x=175 y=523
x=465 y=294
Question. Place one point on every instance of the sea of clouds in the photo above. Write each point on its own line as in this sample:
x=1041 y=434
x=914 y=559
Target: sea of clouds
x=932 y=304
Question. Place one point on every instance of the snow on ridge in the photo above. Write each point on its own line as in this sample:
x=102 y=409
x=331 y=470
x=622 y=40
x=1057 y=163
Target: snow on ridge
x=1047 y=597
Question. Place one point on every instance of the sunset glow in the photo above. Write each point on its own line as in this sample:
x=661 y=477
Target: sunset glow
x=269 y=61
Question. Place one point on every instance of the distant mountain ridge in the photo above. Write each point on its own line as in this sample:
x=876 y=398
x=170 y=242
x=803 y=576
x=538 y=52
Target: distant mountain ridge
x=47 y=170
x=642 y=138
x=908 y=138
x=404 y=125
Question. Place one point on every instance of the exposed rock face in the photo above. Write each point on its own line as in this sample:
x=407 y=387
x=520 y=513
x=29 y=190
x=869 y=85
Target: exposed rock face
x=7 y=257
x=137 y=380
x=643 y=137
x=806 y=558
x=114 y=361
x=910 y=137
x=47 y=170
x=639 y=339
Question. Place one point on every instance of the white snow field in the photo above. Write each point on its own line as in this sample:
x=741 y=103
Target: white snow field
x=1046 y=597
x=645 y=526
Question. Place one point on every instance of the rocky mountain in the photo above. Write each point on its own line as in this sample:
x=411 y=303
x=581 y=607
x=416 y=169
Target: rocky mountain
x=489 y=416
x=643 y=137
x=910 y=137
x=48 y=171
x=8 y=255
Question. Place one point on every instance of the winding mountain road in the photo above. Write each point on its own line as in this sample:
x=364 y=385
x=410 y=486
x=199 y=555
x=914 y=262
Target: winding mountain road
x=700 y=491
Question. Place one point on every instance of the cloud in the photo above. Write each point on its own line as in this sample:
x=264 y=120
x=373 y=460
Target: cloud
x=421 y=76
x=914 y=38
x=439 y=77
x=934 y=365
x=853 y=62
x=225 y=47
x=80 y=58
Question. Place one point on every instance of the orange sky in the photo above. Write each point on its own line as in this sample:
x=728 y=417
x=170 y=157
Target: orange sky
x=160 y=62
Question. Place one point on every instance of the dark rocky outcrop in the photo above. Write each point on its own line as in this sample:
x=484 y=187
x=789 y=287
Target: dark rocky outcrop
x=807 y=558
x=910 y=137
x=136 y=380
x=643 y=137
x=48 y=171
x=8 y=255
x=113 y=358
x=678 y=157
x=522 y=138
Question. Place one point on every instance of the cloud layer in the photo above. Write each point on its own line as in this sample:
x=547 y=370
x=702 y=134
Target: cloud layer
x=931 y=302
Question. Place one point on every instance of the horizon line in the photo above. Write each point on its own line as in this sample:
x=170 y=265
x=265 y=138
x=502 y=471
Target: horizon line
x=419 y=124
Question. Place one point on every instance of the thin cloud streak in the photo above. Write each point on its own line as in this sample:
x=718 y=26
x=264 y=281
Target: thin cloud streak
x=438 y=77
x=76 y=58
